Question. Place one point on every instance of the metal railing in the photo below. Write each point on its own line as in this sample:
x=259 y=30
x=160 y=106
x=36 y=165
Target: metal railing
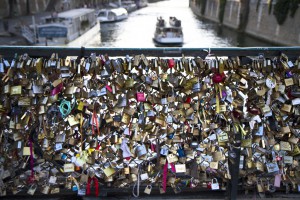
x=9 y=52
x=39 y=51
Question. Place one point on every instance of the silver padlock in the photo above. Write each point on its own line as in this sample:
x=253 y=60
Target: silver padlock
x=161 y=190
x=141 y=150
x=164 y=151
x=164 y=101
x=45 y=143
x=32 y=189
x=46 y=189
x=81 y=191
x=144 y=176
x=25 y=163
x=214 y=184
x=196 y=87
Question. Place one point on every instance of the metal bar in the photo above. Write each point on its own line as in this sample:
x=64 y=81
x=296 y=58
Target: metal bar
x=234 y=172
x=234 y=162
x=41 y=51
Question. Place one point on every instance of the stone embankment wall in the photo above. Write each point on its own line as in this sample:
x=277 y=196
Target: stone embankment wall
x=19 y=7
x=14 y=8
x=252 y=17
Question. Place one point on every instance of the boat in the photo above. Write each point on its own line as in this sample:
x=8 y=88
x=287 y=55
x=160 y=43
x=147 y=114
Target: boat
x=130 y=6
x=168 y=33
x=62 y=28
x=112 y=15
x=142 y=3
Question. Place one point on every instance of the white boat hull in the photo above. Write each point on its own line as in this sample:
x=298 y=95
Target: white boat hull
x=85 y=39
x=115 y=19
x=67 y=27
x=165 y=40
x=82 y=40
x=112 y=15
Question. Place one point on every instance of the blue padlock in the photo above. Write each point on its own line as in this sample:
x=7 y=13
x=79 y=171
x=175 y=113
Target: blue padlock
x=181 y=153
x=74 y=188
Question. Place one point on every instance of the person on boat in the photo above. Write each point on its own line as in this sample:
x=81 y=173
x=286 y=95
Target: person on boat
x=54 y=16
x=161 y=21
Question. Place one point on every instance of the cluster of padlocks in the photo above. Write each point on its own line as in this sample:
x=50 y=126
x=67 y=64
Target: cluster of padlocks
x=80 y=124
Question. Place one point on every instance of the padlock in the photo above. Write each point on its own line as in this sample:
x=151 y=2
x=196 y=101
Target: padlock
x=270 y=187
x=164 y=151
x=141 y=150
x=161 y=190
x=260 y=187
x=180 y=168
x=126 y=170
x=32 y=189
x=214 y=184
x=144 y=176
x=83 y=178
x=148 y=189
x=81 y=191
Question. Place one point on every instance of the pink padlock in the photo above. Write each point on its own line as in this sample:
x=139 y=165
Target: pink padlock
x=108 y=88
x=140 y=96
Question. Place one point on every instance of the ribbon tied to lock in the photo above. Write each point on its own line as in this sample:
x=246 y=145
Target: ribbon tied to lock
x=95 y=122
x=96 y=186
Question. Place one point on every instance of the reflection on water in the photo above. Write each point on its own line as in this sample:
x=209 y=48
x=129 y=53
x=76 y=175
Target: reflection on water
x=238 y=39
x=138 y=30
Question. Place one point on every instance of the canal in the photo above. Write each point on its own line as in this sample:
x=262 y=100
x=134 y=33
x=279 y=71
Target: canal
x=137 y=31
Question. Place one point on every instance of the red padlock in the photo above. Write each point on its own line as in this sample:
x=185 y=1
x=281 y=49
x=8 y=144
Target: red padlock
x=171 y=63
x=218 y=78
x=237 y=114
x=209 y=185
x=188 y=100
x=253 y=109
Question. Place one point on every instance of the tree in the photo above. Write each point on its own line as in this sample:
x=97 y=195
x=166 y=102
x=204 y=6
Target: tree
x=11 y=8
x=27 y=7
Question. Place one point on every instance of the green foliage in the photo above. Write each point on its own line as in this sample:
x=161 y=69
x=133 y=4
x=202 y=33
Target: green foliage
x=282 y=7
x=294 y=6
x=222 y=10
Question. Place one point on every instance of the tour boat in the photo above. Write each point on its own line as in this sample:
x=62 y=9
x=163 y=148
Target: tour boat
x=62 y=28
x=142 y=3
x=168 y=34
x=112 y=15
x=130 y=6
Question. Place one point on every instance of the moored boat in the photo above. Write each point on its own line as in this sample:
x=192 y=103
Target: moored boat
x=64 y=27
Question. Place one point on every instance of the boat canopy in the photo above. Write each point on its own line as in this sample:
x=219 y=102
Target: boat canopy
x=71 y=14
x=119 y=11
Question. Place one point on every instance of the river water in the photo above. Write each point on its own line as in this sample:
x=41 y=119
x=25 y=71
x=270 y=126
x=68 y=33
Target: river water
x=137 y=31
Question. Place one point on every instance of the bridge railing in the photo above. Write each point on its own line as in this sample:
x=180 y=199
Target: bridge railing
x=9 y=52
